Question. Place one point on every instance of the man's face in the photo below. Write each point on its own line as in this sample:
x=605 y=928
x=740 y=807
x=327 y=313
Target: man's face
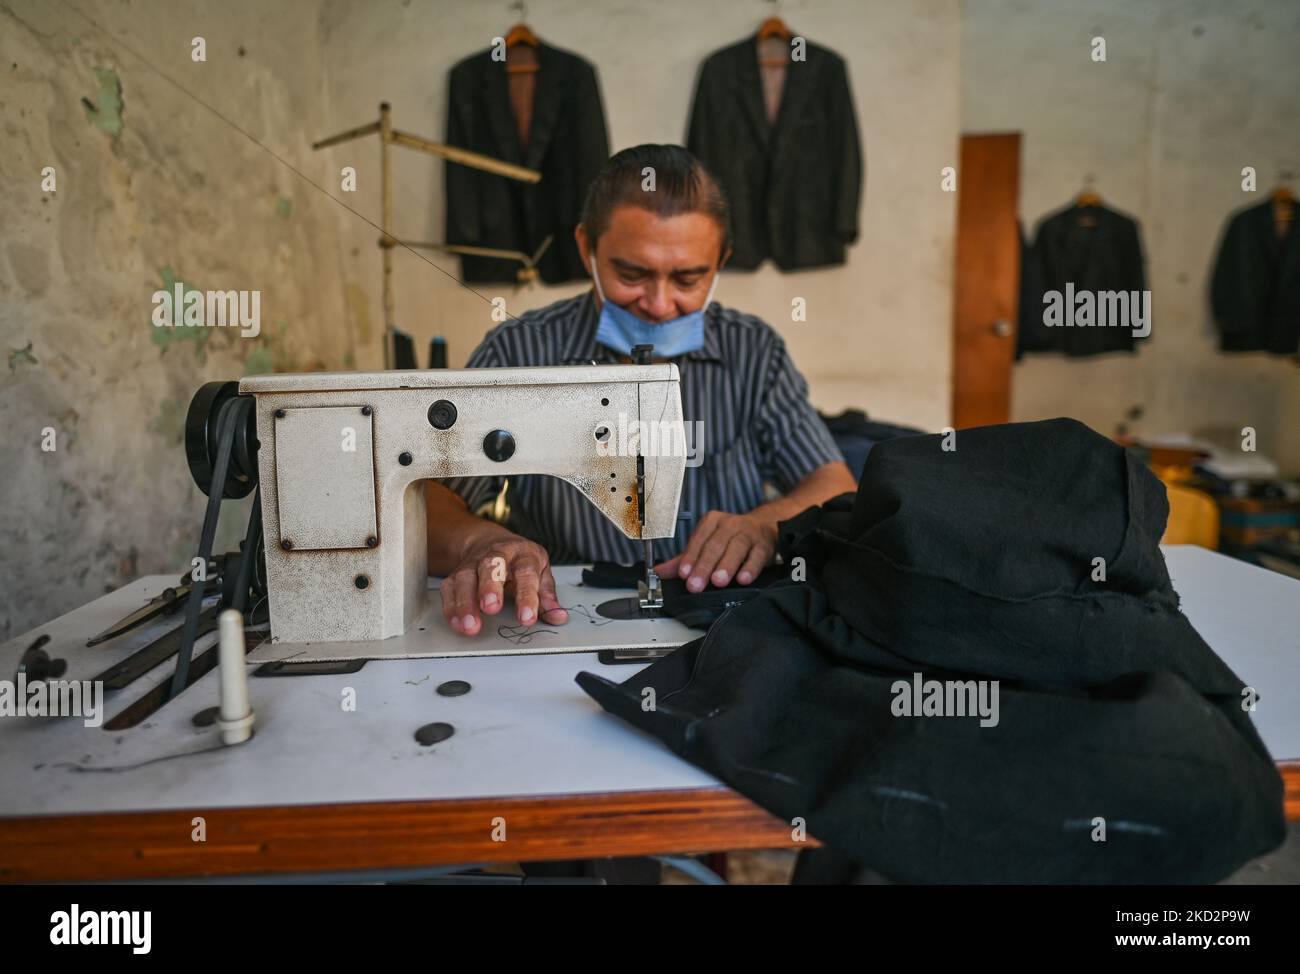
x=657 y=268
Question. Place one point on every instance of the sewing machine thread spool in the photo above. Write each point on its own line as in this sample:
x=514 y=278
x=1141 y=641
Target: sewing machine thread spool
x=236 y=721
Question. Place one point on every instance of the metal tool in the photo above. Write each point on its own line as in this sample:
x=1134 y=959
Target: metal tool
x=389 y=136
x=168 y=601
x=650 y=593
x=124 y=672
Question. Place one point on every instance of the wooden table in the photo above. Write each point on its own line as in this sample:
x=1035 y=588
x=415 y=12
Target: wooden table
x=323 y=789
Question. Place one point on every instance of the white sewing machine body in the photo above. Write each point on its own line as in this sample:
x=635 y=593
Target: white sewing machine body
x=342 y=456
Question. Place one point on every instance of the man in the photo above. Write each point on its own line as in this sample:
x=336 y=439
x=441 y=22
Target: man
x=654 y=234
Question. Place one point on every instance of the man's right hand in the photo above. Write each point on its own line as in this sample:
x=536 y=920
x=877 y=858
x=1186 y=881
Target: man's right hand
x=490 y=565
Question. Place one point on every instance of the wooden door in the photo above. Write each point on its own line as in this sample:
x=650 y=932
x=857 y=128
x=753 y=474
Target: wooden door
x=988 y=278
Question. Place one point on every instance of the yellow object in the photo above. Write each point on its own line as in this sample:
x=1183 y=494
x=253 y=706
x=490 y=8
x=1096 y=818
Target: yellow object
x=1193 y=518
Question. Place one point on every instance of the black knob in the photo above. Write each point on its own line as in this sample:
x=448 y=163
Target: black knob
x=37 y=665
x=442 y=415
x=499 y=445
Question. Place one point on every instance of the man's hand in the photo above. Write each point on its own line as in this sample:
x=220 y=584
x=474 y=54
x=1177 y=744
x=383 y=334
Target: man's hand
x=724 y=547
x=487 y=567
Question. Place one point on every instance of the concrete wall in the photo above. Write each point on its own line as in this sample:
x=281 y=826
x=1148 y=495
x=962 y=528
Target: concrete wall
x=1191 y=92
x=878 y=329
x=158 y=188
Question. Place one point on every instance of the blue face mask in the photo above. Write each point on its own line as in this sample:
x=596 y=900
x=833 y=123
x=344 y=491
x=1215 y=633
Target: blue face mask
x=620 y=329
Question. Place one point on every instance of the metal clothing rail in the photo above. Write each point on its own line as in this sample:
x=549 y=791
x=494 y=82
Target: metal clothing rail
x=389 y=136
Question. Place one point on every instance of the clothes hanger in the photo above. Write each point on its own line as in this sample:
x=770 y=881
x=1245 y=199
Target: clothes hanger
x=522 y=34
x=1283 y=203
x=773 y=29
x=1087 y=198
x=1283 y=191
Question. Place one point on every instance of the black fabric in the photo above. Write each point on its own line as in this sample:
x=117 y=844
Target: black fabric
x=567 y=143
x=1031 y=335
x=855 y=434
x=978 y=563
x=793 y=186
x=1093 y=248
x=699 y=610
x=1255 y=291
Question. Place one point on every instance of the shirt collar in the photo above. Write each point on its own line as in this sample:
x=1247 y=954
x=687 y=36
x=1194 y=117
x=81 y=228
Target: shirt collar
x=583 y=348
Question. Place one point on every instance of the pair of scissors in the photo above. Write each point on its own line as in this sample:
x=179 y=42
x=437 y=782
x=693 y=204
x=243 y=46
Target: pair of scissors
x=166 y=602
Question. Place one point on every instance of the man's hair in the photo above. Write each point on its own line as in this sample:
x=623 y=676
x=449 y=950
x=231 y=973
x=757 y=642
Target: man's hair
x=682 y=184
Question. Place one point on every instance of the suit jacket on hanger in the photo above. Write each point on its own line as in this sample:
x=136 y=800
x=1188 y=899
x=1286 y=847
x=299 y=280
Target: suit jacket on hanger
x=1256 y=287
x=1106 y=256
x=567 y=144
x=793 y=186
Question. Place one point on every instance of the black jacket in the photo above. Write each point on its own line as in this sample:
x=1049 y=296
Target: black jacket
x=978 y=564
x=794 y=186
x=1104 y=257
x=567 y=144
x=1256 y=288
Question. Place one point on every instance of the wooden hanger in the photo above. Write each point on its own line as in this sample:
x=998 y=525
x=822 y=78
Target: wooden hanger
x=1087 y=199
x=1283 y=209
x=773 y=29
x=522 y=35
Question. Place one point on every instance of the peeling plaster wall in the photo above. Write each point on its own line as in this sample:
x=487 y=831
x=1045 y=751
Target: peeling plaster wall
x=151 y=188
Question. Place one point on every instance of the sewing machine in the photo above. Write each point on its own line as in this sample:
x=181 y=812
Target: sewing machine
x=335 y=552
x=343 y=456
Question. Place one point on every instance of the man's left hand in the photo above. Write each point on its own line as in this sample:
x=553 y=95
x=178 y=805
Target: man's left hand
x=722 y=548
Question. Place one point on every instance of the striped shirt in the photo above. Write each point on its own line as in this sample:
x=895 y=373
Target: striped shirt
x=748 y=423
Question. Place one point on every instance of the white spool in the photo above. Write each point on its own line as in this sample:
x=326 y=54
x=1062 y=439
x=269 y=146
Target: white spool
x=236 y=720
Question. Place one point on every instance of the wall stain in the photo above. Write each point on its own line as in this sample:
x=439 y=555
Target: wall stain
x=21 y=356
x=168 y=335
x=169 y=422
x=258 y=362
x=107 y=115
x=31 y=267
x=359 y=310
x=128 y=565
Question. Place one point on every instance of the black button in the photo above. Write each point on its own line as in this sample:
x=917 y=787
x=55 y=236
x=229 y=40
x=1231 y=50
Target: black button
x=499 y=445
x=433 y=733
x=442 y=415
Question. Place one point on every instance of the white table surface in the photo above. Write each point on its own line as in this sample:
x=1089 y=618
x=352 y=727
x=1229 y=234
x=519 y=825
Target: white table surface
x=525 y=729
